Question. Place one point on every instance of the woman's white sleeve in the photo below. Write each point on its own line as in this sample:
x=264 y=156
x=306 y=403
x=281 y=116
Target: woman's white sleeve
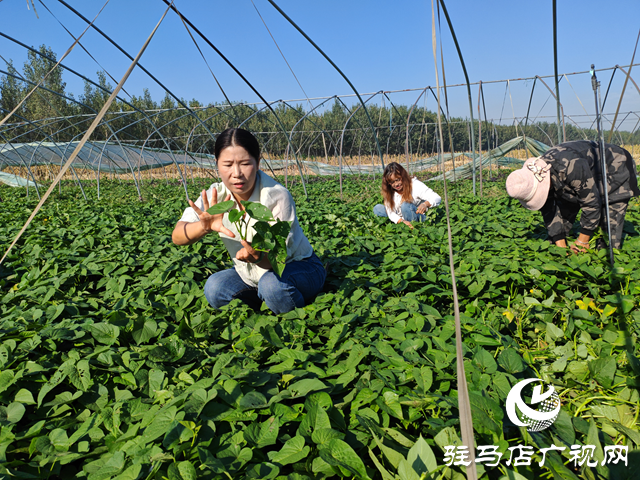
x=393 y=216
x=422 y=192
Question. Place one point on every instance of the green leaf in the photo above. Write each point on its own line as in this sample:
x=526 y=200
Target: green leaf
x=221 y=207
x=323 y=436
x=258 y=211
x=105 y=333
x=235 y=215
x=305 y=386
x=424 y=379
x=340 y=454
x=12 y=413
x=603 y=370
x=24 y=396
x=263 y=470
x=59 y=439
x=262 y=434
x=187 y=471
x=293 y=451
x=390 y=403
x=511 y=361
x=484 y=360
x=421 y=457
x=553 y=332
x=144 y=331
x=131 y=473
x=160 y=424
x=113 y=466
x=316 y=418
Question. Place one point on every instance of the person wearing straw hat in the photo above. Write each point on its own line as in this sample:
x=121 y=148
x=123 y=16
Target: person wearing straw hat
x=565 y=180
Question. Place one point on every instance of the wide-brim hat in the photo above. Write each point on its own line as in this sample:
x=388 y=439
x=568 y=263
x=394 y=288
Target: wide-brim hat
x=530 y=184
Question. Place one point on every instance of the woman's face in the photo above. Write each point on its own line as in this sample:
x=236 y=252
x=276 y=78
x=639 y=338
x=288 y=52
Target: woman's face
x=238 y=171
x=395 y=181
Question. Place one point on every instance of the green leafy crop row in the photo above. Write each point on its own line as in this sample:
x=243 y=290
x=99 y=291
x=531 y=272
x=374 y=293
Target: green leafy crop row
x=113 y=365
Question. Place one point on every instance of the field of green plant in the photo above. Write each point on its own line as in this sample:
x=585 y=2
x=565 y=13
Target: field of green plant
x=113 y=365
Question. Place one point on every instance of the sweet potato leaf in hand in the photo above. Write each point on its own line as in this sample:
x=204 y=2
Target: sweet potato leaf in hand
x=258 y=211
x=272 y=239
x=222 y=207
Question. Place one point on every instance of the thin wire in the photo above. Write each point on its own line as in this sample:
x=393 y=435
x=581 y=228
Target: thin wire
x=282 y=54
x=54 y=67
x=83 y=48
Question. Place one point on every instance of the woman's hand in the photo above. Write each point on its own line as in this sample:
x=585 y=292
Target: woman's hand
x=581 y=245
x=247 y=253
x=406 y=222
x=251 y=255
x=423 y=207
x=211 y=223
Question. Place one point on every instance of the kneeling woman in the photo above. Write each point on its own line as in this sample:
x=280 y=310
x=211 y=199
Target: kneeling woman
x=252 y=279
x=405 y=199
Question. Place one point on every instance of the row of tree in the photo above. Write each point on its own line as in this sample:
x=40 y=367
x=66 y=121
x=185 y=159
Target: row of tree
x=52 y=114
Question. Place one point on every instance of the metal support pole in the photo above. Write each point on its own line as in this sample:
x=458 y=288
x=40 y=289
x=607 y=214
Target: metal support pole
x=603 y=166
x=555 y=70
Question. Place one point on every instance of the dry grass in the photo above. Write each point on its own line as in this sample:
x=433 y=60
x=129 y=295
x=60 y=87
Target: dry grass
x=46 y=173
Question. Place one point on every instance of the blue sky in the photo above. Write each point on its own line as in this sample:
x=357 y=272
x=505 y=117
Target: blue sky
x=380 y=45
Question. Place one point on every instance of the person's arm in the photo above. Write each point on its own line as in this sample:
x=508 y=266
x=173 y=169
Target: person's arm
x=393 y=216
x=187 y=233
x=553 y=222
x=429 y=197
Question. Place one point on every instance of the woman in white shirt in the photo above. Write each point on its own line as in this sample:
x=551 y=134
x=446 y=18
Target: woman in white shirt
x=405 y=199
x=252 y=279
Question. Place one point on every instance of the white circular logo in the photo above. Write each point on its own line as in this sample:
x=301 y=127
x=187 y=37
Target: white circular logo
x=534 y=420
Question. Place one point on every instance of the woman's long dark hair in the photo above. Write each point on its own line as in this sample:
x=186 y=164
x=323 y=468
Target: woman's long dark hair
x=237 y=137
x=391 y=170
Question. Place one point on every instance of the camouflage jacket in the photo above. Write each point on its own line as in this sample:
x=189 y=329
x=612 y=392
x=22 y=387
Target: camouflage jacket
x=575 y=179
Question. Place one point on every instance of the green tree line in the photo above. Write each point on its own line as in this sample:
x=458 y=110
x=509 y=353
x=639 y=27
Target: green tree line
x=52 y=114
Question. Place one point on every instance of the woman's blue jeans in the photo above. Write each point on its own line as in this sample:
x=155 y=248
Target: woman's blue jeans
x=301 y=281
x=408 y=212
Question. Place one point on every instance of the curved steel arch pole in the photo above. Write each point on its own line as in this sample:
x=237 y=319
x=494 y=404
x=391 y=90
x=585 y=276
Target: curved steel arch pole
x=165 y=141
x=86 y=136
x=406 y=141
x=322 y=130
x=526 y=120
x=624 y=88
x=334 y=66
x=126 y=54
x=479 y=135
x=486 y=126
x=46 y=135
x=64 y=55
x=466 y=77
x=391 y=127
x=561 y=106
x=606 y=95
x=335 y=143
x=73 y=99
x=555 y=72
x=22 y=159
x=342 y=137
x=185 y=19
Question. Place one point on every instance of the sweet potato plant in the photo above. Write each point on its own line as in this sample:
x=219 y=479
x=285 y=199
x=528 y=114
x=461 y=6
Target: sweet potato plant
x=113 y=365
